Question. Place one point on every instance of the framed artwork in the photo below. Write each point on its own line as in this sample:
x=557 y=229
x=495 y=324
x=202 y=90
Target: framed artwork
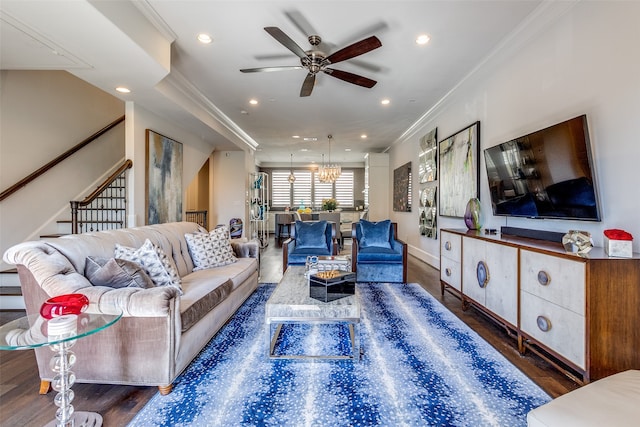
x=428 y=212
x=459 y=178
x=402 y=188
x=428 y=156
x=163 y=179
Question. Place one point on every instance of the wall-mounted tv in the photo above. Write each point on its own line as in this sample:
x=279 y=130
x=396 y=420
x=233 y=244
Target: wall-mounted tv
x=545 y=174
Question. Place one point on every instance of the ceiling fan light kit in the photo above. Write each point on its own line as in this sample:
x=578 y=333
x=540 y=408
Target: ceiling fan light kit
x=316 y=61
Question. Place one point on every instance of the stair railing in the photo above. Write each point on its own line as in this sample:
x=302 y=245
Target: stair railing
x=199 y=217
x=39 y=172
x=105 y=208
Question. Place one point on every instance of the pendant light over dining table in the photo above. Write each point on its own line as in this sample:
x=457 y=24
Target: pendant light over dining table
x=331 y=172
x=292 y=177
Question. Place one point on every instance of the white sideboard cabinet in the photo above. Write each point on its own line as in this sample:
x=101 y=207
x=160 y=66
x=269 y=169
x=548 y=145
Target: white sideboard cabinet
x=581 y=313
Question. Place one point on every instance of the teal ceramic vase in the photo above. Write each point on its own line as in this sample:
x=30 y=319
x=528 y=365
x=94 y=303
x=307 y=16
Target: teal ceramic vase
x=473 y=214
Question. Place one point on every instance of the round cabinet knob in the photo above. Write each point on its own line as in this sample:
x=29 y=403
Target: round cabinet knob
x=543 y=278
x=544 y=324
x=447 y=271
x=447 y=246
x=482 y=274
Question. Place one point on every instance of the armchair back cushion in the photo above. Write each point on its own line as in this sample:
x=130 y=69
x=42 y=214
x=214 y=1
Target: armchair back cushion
x=375 y=234
x=311 y=235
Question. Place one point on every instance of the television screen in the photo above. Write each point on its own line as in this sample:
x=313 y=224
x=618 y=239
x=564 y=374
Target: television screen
x=545 y=174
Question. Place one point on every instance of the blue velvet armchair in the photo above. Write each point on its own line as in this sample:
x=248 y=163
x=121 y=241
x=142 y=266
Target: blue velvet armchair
x=309 y=238
x=376 y=254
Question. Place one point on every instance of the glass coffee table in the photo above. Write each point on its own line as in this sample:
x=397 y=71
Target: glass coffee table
x=291 y=303
x=33 y=331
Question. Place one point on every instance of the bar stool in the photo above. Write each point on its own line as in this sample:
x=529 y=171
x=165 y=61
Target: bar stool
x=283 y=222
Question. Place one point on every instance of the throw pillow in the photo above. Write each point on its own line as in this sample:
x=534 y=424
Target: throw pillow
x=211 y=249
x=375 y=234
x=311 y=235
x=116 y=273
x=155 y=262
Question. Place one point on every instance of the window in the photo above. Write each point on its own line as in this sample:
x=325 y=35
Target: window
x=322 y=190
x=309 y=190
x=302 y=189
x=280 y=189
x=344 y=189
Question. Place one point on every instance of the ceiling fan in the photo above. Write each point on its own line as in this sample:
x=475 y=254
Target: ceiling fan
x=316 y=61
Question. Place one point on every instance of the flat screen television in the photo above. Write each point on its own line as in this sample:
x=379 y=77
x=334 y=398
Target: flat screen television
x=545 y=174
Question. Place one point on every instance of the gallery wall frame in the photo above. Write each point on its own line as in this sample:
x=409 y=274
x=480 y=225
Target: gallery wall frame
x=459 y=171
x=163 y=179
x=428 y=163
x=429 y=212
x=402 y=188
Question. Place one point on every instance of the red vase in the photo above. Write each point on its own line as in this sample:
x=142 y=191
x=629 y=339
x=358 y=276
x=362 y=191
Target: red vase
x=64 y=304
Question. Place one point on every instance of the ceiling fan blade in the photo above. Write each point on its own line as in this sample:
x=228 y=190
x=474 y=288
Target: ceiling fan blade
x=286 y=41
x=264 y=69
x=351 y=78
x=375 y=28
x=308 y=84
x=358 y=48
x=300 y=22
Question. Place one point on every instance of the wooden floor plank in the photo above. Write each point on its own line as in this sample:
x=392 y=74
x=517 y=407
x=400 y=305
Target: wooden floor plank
x=21 y=405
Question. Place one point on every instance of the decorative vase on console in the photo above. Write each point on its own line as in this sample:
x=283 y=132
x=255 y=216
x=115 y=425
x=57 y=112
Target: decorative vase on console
x=473 y=214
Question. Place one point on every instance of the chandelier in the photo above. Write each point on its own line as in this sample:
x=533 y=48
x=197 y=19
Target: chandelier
x=292 y=177
x=330 y=172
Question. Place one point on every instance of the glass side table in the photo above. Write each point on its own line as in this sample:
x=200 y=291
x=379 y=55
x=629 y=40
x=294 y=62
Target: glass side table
x=60 y=334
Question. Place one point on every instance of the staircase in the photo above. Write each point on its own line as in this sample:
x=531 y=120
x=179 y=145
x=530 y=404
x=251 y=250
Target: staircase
x=103 y=209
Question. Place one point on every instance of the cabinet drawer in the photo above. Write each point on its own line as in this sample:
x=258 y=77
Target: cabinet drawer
x=565 y=334
x=555 y=279
x=450 y=246
x=450 y=273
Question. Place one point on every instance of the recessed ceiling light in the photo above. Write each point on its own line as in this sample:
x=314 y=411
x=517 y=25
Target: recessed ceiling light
x=385 y=102
x=204 y=38
x=347 y=149
x=253 y=101
x=244 y=112
x=296 y=136
x=423 y=39
x=123 y=89
x=304 y=149
x=310 y=138
x=363 y=136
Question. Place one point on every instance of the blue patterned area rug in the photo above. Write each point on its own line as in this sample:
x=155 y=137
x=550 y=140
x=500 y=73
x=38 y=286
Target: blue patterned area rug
x=421 y=366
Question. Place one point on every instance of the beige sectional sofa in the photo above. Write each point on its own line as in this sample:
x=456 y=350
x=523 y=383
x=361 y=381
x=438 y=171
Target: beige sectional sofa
x=161 y=330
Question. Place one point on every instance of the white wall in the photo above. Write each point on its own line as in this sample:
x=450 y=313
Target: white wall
x=582 y=61
x=195 y=152
x=230 y=177
x=43 y=114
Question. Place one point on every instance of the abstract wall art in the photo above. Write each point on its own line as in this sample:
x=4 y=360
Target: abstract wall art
x=459 y=170
x=163 y=179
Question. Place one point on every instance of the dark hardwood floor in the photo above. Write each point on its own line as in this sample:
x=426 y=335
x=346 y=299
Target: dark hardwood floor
x=21 y=405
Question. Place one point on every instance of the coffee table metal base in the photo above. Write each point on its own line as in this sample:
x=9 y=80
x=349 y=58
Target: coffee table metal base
x=354 y=336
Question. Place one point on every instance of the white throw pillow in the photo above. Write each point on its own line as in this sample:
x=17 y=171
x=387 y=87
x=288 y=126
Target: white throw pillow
x=211 y=249
x=156 y=263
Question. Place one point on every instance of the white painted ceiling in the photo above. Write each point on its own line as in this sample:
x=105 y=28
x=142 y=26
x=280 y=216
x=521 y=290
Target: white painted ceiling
x=150 y=46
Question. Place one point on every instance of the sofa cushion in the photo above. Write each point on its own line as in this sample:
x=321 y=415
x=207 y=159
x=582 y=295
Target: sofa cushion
x=154 y=261
x=202 y=293
x=209 y=250
x=311 y=235
x=116 y=273
x=375 y=234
